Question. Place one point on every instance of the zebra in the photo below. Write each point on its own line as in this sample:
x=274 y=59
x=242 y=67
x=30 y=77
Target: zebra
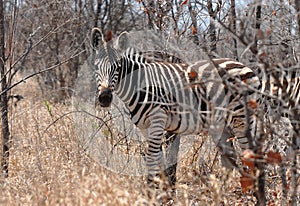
x=281 y=98
x=179 y=98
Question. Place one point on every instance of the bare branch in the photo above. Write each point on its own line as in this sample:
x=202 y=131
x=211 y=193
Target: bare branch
x=42 y=71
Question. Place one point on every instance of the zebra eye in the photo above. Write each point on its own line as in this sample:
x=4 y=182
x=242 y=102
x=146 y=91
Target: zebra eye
x=97 y=74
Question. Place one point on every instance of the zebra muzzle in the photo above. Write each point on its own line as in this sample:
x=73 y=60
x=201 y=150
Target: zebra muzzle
x=105 y=98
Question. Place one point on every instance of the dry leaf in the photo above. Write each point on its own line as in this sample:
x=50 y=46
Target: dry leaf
x=252 y=103
x=248 y=157
x=184 y=2
x=247 y=183
x=108 y=35
x=193 y=74
x=260 y=34
x=273 y=157
x=194 y=30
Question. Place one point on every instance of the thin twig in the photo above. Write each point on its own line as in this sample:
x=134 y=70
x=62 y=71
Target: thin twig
x=41 y=71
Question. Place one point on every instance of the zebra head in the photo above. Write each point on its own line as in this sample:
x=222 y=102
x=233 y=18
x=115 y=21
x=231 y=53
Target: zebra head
x=107 y=55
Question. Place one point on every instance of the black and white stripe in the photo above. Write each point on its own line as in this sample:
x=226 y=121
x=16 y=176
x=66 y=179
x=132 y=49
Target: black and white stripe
x=281 y=99
x=205 y=96
x=281 y=87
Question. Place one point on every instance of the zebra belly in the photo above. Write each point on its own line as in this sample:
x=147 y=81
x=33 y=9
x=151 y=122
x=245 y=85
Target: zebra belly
x=184 y=123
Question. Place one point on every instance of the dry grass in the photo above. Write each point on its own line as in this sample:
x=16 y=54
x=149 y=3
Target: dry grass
x=49 y=167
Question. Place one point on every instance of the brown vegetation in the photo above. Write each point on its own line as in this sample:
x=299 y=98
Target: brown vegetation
x=47 y=164
x=48 y=167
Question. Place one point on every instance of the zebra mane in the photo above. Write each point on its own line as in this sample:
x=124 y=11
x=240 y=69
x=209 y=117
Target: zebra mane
x=135 y=55
x=108 y=51
x=161 y=56
x=152 y=56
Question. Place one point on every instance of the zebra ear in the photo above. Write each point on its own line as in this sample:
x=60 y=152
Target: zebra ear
x=122 y=41
x=97 y=38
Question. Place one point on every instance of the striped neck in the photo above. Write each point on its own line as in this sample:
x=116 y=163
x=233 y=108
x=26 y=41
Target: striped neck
x=129 y=80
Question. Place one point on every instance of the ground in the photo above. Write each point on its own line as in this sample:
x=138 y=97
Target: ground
x=48 y=166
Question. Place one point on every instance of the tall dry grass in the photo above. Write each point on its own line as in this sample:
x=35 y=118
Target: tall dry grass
x=48 y=166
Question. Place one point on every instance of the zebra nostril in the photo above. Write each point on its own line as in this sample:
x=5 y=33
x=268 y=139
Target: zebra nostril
x=105 y=98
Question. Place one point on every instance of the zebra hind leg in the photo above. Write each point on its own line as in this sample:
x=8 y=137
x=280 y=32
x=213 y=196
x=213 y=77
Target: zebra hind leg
x=228 y=154
x=172 y=149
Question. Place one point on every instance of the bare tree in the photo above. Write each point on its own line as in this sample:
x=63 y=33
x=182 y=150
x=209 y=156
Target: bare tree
x=12 y=61
x=297 y=7
x=212 y=28
x=4 y=96
x=233 y=19
x=38 y=36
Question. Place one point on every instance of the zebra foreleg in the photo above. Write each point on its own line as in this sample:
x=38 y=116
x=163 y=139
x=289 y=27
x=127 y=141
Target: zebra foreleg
x=172 y=149
x=154 y=156
x=155 y=165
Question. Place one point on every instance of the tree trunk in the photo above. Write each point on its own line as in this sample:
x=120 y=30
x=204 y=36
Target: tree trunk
x=194 y=23
x=212 y=29
x=3 y=98
x=258 y=15
x=233 y=23
x=257 y=26
x=297 y=7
